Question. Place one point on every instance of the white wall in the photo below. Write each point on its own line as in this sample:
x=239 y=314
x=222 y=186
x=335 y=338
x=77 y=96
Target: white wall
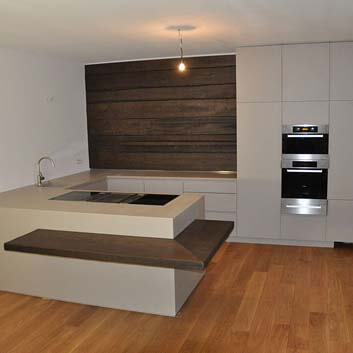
x=42 y=112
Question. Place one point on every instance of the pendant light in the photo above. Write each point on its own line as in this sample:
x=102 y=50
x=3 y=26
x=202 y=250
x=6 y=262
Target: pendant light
x=181 y=66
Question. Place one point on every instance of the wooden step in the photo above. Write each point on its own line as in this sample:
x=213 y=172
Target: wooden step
x=191 y=250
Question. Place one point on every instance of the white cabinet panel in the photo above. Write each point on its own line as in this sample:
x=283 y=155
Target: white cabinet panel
x=259 y=74
x=125 y=185
x=220 y=202
x=305 y=113
x=221 y=186
x=341 y=71
x=306 y=72
x=340 y=178
x=259 y=170
x=340 y=221
x=164 y=186
x=295 y=227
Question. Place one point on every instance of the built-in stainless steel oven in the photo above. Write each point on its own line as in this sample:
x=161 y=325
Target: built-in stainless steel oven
x=304 y=169
x=305 y=139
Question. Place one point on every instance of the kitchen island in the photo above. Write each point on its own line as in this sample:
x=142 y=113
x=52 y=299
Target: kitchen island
x=151 y=289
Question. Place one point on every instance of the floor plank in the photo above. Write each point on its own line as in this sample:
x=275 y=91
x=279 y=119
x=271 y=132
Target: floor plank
x=254 y=298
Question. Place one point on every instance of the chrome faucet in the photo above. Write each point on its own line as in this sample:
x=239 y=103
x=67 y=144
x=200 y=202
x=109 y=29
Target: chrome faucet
x=40 y=176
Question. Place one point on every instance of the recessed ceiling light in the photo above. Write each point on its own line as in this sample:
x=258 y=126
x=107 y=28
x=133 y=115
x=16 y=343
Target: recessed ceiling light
x=181 y=28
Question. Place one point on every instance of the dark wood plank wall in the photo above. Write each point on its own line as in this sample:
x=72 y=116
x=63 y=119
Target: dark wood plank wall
x=148 y=115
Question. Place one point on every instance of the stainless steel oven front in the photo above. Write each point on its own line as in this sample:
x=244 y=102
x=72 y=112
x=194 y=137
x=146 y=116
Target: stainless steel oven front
x=305 y=139
x=304 y=184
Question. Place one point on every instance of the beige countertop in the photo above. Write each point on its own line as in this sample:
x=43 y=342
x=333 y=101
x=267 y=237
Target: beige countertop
x=38 y=198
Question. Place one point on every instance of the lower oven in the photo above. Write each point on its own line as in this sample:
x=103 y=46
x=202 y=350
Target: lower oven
x=304 y=186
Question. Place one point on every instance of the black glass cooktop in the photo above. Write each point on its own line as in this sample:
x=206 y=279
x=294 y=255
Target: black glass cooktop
x=112 y=197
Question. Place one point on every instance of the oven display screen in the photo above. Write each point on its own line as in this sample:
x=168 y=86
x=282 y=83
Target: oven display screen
x=305 y=129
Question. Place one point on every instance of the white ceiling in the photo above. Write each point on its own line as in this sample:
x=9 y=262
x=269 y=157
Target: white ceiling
x=110 y=30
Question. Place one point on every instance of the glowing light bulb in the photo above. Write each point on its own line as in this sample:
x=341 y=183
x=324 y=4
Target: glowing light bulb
x=182 y=66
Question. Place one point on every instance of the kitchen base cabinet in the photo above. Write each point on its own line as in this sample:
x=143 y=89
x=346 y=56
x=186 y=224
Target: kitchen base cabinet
x=258 y=209
x=340 y=221
x=303 y=227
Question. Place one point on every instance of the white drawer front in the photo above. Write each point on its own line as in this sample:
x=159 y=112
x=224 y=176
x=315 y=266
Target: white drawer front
x=220 y=216
x=164 y=186
x=299 y=227
x=221 y=186
x=125 y=185
x=220 y=202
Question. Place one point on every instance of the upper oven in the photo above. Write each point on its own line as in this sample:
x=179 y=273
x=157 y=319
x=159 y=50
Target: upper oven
x=305 y=139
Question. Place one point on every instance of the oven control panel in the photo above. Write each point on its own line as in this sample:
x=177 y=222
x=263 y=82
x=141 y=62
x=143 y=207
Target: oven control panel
x=303 y=129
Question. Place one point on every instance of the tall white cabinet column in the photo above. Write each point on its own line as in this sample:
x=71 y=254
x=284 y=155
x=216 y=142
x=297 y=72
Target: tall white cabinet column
x=340 y=182
x=259 y=142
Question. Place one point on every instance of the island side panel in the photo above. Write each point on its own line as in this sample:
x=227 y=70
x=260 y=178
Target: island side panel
x=129 y=287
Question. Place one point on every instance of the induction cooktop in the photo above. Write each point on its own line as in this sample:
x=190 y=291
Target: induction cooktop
x=112 y=197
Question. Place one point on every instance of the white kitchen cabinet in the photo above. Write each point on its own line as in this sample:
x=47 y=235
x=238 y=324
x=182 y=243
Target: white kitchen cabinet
x=340 y=221
x=164 y=186
x=340 y=175
x=306 y=72
x=303 y=227
x=218 y=186
x=259 y=74
x=220 y=202
x=259 y=170
x=341 y=71
x=305 y=113
x=125 y=185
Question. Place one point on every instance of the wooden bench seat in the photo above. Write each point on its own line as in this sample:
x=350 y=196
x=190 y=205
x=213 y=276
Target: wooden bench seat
x=191 y=250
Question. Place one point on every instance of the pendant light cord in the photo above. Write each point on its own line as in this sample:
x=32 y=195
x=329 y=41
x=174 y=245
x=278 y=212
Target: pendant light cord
x=181 y=45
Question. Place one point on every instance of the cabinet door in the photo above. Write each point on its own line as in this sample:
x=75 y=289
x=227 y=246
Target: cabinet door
x=341 y=71
x=340 y=221
x=302 y=227
x=306 y=72
x=125 y=185
x=305 y=113
x=340 y=177
x=259 y=170
x=259 y=74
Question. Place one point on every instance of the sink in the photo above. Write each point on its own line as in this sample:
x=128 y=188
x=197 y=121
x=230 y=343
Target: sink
x=109 y=197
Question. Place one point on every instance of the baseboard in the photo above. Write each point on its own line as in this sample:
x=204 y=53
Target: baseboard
x=319 y=244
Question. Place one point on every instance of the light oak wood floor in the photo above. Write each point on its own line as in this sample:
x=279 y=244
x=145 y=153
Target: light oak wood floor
x=254 y=298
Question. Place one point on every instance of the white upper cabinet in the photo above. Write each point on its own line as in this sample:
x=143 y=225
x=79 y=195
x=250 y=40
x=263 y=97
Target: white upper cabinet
x=259 y=74
x=340 y=177
x=341 y=71
x=306 y=72
x=259 y=170
x=305 y=113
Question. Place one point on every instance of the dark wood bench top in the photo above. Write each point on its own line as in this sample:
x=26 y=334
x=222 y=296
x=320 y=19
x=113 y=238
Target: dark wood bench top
x=190 y=250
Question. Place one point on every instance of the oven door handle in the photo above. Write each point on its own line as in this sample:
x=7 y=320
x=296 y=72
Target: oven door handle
x=304 y=170
x=300 y=206
x=304 y=136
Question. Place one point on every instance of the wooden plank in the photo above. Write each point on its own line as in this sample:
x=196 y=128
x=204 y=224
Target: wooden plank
x=162 y=109
x=161 y=64
x=170 y=78
x=164 y=161
x=111 y=143
x=227 y=138
x=191 y=250
x=166 y=126
x=165 y=93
